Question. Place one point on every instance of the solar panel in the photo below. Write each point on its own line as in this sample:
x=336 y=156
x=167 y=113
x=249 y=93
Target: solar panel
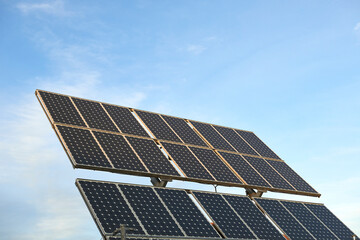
x=82 y=147
x=268 y=173
x=284 y=219
x=222 y=214
x=212 y=136
x=186 y=213
x=331 y=221
x=184 y=131
x=255 y=219
x=244 y=169
x=308 y=220
x=151 y=212
x=125 y=120
x=157 y=126
x=94 y=115
x=187 y=162
x=108 y=206
x=119 y=152
x=215 y=165
x=152 y=156
x=60 y=108
x=257 y=144
x=291 y=176
x=235 y=140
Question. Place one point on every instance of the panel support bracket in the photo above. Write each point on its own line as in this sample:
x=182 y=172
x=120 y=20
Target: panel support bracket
x=122 y=230
x=159 y=182
x=252 y=193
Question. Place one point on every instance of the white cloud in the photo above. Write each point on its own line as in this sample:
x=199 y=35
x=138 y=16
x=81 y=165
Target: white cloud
x=357 y=27
x=195 y=49
x=53 y=8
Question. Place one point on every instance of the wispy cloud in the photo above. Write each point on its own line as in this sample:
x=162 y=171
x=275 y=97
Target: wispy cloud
x=195 y=49
x=52 y=8
x=357 y=27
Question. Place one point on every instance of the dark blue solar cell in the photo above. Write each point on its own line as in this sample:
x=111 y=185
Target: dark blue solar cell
x=109 y=206
x=61 y=109
x=268 y=173
x=331 y=221
x=284 y=219
x=235 y=140
x=125 y=120
x=257 y=144
x=250 y=176
x=215 y=165
x=94 y=115
x=151 y=212
x=157 y=126
x=184 y=131
x=83 y=147
x=186 y=213
x=310 y=222
x=291 y=176
x=222 y=214
x=188 y=163
x=119 y=152
x=212 y=136
x=258 y=223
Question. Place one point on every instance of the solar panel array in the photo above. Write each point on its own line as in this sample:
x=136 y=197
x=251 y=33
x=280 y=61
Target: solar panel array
x=118 y=139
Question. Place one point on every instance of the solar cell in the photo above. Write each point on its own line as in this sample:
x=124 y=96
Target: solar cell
x=152 y=156
x=119 y=152
x=235 y=140
x=253 y=217
x=291 y=176
x=125 y=120
x=268 y=173
x=310 y=222
x=222 y=214
x=257 y=144
x=152 y=213
x=83 y=147
x=186 y=213
x=157 y=126
x=61 y=109
x=215 y=165
x=284 y=219
x=213 y=137
x=184 y=131
x=109 y=206
x=94 y=115
x=244 y=169
x=188 y=163
x=331 y=221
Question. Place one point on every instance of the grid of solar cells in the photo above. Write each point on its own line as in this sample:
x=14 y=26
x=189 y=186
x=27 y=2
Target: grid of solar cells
x=94 y=115
x=83 y=147
x=184 y=131
x=235 y=140
x=215 y=165
x=284 y=219
x=151 y=212
x=268 y=173
x=250 y=176
x=331 y=221
x=186 y=213
x=253 y=217
x=317 y=229
x=257 y=144
x=109 y=206
x=158 y=126
x=119 y=152
x=213 y=137
x=61 y=109
x=187 y=161
x=125 y=120
x=152 y=156
x=222 y=214
x=291 y=176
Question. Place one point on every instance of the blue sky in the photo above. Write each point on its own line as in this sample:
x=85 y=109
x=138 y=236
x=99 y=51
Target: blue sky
x=287 y=70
